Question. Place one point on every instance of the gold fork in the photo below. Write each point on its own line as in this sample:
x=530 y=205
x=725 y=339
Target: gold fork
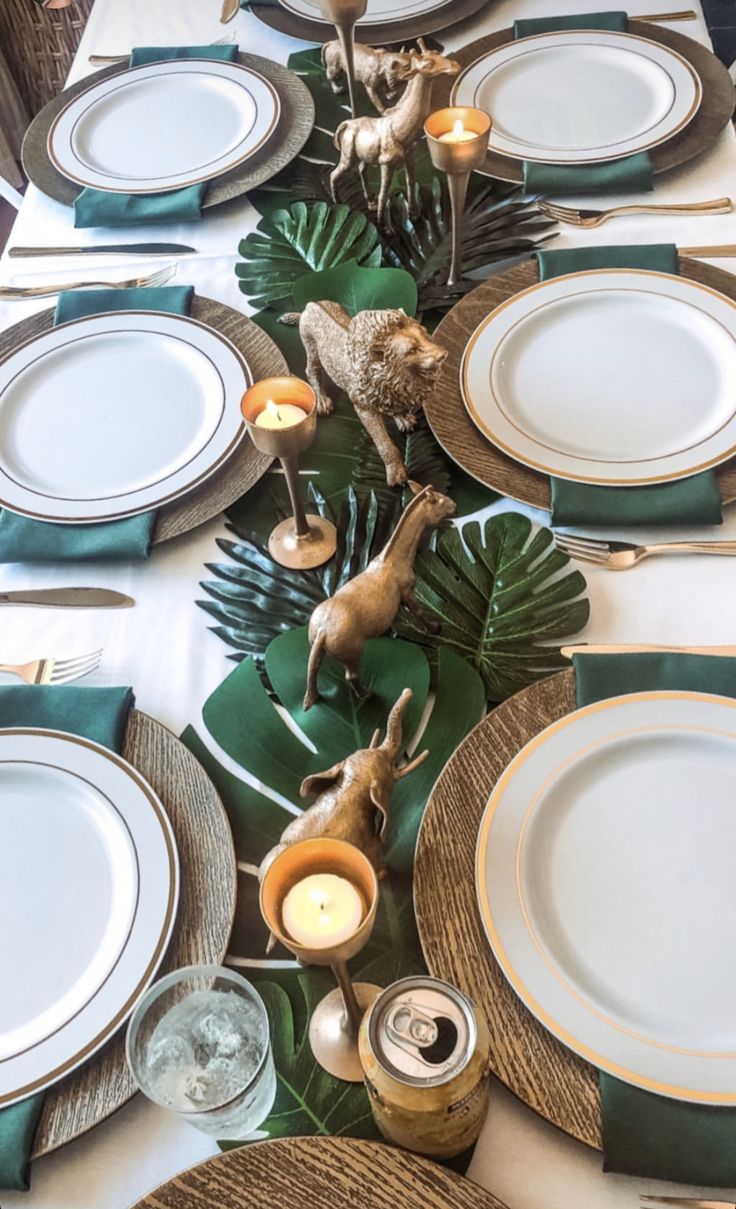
x=619 y=556
x=594 y=218
x=54 y=671
x=10 y=293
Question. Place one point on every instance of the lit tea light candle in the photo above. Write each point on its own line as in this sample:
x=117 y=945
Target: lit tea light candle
x=280 y=415
x=458 y=134
x=322 y=911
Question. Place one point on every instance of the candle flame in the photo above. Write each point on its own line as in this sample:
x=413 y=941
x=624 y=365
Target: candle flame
x=458 y=129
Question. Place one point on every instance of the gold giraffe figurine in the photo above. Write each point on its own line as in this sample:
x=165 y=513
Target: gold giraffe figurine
x=384 y=360
x=366 y=606
x=388 y=141
x=349 y=794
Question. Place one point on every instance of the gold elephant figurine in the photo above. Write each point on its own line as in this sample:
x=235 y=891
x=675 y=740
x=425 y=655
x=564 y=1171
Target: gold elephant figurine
x=349 y=794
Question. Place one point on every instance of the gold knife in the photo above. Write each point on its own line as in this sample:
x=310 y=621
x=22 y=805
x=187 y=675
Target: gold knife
x=69 y=598
x=634 y=649
x=692 y=1202
x=685 y=15
x=229 y=10
x=722 y=249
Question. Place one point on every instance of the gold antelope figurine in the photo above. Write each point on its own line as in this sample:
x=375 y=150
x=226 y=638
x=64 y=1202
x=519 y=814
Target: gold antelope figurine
x=388 y=141
x=349 y=794
x=366 y=606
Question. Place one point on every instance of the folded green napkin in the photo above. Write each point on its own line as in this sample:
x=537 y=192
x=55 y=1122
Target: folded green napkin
x=632 y=174
x=645 y=1134
x=99 y=714
x=695 y=500
x=25 y=540
x=98 y=208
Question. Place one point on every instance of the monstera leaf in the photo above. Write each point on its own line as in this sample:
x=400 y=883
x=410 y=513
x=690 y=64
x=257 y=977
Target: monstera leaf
x=358 y=289
x=301 y=238
x=497 y=224
x=501 y=600
x=254 y=599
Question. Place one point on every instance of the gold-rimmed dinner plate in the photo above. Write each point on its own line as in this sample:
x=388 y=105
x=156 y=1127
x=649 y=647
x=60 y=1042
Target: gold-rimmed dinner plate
x=115 y=414
x=89 y=884
x=611 y=376
x=384 y=22
x=580 y=96
x=605 y=885
x=210 y=117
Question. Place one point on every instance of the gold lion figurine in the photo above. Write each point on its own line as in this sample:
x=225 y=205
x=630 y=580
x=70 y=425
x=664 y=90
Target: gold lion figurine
x=383 y=360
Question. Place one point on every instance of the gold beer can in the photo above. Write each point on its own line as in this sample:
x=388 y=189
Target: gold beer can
x=424 y=1052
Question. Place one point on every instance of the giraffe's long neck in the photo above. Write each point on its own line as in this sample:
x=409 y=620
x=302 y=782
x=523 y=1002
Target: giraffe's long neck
x=402 y=545
x=412 y=109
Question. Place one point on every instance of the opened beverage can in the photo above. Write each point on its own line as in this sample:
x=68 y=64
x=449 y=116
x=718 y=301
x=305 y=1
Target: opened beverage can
x=424 y=1052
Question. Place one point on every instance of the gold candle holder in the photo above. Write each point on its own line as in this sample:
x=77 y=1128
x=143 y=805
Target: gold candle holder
x=344 y=14
x=458 y=143
x=304 y=540
x=333 y=1028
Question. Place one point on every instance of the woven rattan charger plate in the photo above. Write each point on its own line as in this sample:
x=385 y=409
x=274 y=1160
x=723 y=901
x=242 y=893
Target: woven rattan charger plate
x=291 y=133
x=448 y=416
x=278 y=17
x=241 y=471
x=343 y=1173
x=714 y=114
x=529 y=1060
x=204 y=919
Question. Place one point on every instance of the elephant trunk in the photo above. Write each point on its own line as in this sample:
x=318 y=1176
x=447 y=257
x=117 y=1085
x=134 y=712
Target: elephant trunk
x=392 y=742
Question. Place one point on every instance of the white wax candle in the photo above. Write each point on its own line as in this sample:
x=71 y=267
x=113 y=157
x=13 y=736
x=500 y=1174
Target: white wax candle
x=280 y=415
x=458 y=134
x=322 y=910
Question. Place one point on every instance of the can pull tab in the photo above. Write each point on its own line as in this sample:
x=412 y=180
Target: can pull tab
x=409 y=1024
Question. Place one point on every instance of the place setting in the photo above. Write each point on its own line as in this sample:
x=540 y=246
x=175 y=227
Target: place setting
x=375 y=22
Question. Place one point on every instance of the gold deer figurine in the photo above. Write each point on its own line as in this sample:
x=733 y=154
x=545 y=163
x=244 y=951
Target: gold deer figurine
x=388 y=141
x=366 y=606
x=349 y=794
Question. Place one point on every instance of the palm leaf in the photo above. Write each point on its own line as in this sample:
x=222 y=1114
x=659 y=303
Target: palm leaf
x=497 y=225
x=503 y=602
x=254 y=599
x=301 y=238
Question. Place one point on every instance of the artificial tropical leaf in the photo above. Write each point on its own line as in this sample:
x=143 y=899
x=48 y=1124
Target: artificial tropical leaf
x=301 y=238
x=496 y=225
x=358 y=289
x=501 y=600
x=254 y=599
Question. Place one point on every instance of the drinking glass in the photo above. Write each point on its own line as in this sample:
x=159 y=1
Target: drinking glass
x=198 y=1044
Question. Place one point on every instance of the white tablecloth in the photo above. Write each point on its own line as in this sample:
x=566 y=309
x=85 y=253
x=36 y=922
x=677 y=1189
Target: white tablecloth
x=163 y=648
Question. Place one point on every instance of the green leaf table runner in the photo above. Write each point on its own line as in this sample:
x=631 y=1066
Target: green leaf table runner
x=23 y=539
x=241 y=718
x=695 y=500
x=645 y=1134
x=99 y=714
x=98 y=208
x=632 y=174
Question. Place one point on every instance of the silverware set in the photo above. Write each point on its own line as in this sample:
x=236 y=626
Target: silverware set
x=620 y=556
x=51 y=669
x=108 y=60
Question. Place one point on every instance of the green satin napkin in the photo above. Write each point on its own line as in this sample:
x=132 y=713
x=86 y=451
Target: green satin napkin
x=25 y=540
x=99 y=714
x=645 y=1134
x=632 y=174
x=97 y=208
x=695 y=500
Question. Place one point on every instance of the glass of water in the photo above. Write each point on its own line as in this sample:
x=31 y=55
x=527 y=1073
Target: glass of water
x=198 y=1044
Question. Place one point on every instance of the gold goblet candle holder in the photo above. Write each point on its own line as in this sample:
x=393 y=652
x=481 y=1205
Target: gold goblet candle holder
x=333 y=1028
x=458 y=143
x=281 y=417
x=343 y=14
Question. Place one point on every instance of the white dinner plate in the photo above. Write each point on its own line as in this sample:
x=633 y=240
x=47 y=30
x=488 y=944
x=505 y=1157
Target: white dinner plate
x=163 y=126
x=613 y=376
x=580 y=96
x=116 y=414
x=89 y=882
x=605 y=879
x=378 y=12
